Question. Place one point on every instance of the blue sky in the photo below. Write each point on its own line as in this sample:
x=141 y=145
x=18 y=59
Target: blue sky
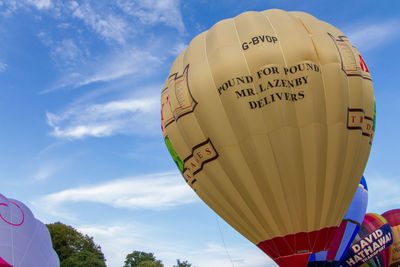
x=80 y=133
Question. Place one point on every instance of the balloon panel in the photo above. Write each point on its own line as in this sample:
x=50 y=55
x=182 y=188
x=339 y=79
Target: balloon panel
x=393 y=218
x=269 y=117
x=373 y=237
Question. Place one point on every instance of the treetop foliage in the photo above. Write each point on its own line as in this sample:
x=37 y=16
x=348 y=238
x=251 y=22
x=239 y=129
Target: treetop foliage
x=73 y=248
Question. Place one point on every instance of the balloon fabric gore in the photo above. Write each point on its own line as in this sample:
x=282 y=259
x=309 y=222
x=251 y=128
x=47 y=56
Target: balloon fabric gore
x=269 y=116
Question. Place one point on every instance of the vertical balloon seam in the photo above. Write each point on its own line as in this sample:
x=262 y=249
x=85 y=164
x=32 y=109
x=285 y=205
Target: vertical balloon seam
x=281 y=183
x=327 y=184
x=30 y=241
x=294 y=224
x=290 y=227
x=323 y=124
x=354 y=159
x=218 y=160
x=247 y=200
x=334 y=185
x=12 y=238
x=260 y=217
x=224 y=211
x=361 y=136
x=340 y=173
x=298 y=197
x=186 y=142
x=367 y=83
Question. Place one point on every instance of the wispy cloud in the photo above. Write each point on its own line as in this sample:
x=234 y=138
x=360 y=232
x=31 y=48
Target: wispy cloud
x=108 y=68
x=48 y=168
x=8 y=7
x=128 y=116
x=152 y=192
x=383 y=193
x=244 y=256
x=128 y=237
x=125 y=238
x=40 y=4
x=109 y=26
x=66 y=50
x=154 y=11
x=372 y=36
x=3 y=66
x=45 y=171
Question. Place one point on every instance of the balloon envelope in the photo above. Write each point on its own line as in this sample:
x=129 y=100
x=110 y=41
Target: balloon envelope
x=270 y=117
x=24 y=240
x=393 y=218
x=371 y=240
x=347 y=230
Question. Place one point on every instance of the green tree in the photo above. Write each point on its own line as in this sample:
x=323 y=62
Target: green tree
x=142 y=259
x=180 y=263
x=83 y=259
x=74 y=248
x=151 y=264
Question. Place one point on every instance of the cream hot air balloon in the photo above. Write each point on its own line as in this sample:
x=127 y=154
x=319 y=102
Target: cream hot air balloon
x=270 y=117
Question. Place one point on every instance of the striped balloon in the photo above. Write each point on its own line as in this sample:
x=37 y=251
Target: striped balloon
x=371 y=240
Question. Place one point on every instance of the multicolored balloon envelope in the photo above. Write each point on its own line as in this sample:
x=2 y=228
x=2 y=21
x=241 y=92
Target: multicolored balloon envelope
x=393 y=218
x=374 y=236
x=24 y=240
x=270 y=117
x=347 y=231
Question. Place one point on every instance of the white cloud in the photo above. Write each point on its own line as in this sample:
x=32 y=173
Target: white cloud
x=108 y=68
x=8 y=7
x=110 y=26
x=3 y=66
x=40 y=4
x=127 y=116
x=374 y=35
x=154 y=192
x=118 y=240
x=45 y=171
x=247 y=255
x=154 y=11
x=383 y=193
x=66 y=50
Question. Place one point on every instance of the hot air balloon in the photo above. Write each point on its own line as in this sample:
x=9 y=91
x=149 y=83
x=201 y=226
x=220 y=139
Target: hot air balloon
x=269 y=116
x=393 y=218
x=347 y=230
x=24 y=240
x=373 y=237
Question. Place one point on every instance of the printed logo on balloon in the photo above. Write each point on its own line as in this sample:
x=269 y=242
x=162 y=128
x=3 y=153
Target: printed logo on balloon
x=19 y=219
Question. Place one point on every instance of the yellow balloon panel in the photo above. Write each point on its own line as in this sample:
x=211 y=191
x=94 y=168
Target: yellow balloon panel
x=270 y=117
